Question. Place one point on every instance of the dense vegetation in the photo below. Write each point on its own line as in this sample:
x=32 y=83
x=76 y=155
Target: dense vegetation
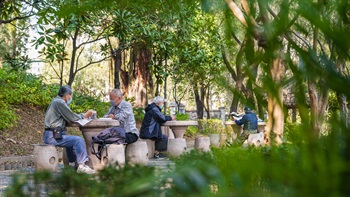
x=250 y=52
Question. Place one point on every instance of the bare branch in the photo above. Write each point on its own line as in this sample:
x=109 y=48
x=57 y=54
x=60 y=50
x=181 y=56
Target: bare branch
x=58 y=75
x=301 y=38
x=236 y=39
x=91 y=62
x=77 y=60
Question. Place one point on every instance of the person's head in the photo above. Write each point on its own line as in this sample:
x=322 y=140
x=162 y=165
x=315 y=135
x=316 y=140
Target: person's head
x=115 y=97
x=66 y=93
x=159 y=101
x=247 y=109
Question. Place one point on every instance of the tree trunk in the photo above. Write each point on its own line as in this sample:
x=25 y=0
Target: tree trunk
x=260 y=102
x=199 y=102
x=72 y=61
x=137 y=85
x=117 y=57
x=341 y=97
x=318 y=101
x=165 y=81
x=275 y=121
x=207 y=96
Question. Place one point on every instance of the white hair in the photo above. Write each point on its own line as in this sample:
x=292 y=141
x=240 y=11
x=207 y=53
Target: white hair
x=117 y=93
x=158 y=99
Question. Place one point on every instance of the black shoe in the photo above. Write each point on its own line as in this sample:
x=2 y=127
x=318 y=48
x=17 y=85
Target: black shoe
x=159 y=155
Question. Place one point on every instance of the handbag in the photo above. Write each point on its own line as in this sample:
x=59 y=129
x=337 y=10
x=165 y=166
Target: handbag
x=57 y=133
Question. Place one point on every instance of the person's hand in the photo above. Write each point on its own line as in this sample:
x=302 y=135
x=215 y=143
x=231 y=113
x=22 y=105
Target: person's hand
x=173 y=117
x=88 y=114
x=110 y=116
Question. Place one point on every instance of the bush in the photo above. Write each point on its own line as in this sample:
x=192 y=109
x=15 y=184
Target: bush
x=211 y=126
x=126 y=181
x=182 y=116
x=17 y=88
x=82 y=102
x=191 y=131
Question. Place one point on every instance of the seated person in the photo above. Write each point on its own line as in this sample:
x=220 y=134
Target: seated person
x=122 y=110
x=151 y=126
x=249 y=122
x=57 y=115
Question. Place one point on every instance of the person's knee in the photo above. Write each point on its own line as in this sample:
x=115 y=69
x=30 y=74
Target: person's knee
x=165 y=137
x=79 y=140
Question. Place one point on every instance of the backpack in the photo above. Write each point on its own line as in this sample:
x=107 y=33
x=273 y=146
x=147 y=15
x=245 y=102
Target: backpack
x=112 y=135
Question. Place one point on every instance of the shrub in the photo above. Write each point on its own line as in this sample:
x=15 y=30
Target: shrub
x=211 y=126
x=182 y=116
x=82 y=102
x=17 y=88
x=126 y=181
x=139 y=113
x=191 y=131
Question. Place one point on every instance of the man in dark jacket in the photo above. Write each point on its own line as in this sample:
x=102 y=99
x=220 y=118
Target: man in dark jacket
x=250 y=124
x=151 y=125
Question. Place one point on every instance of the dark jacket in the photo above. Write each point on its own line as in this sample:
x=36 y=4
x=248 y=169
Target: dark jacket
x=249 y=120
x=152 y=121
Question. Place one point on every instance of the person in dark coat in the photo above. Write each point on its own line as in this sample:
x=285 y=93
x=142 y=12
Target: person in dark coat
x=151 y=125
x=249 y=122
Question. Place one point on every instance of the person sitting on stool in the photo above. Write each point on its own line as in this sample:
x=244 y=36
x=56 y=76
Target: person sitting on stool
x=151 y=126
x=250 y=124
x=57 y=115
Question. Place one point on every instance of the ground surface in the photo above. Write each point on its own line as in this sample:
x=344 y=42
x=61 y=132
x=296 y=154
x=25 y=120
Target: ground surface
x=19 y=140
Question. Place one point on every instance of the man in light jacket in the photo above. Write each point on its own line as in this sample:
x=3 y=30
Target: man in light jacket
x=151 y=126
x=56 y=117
x=122 y=110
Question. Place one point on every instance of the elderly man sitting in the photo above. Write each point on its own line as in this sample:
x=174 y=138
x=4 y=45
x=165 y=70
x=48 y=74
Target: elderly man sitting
x=151 y=126
x=122 y=110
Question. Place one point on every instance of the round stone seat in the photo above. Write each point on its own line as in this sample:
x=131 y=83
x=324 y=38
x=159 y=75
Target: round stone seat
x=202 y=143
x=45 y=157
x=137 y=153
x=150 y=146
x=176 y=147
x=114 y=154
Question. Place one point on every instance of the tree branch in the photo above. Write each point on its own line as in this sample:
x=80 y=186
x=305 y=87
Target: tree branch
x=15 y=18
x=77 y=60
x=237 y=12
x=91 y=62
x=55 y=70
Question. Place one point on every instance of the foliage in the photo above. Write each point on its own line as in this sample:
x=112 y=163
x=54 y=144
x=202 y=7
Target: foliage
x=182 y=116
x=211 y=126
x=111 y=182
x=20 y=88
x=139 y=113
x=191 y=131
x=82 y=102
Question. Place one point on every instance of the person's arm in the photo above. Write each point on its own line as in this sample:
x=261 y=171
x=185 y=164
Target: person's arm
x=109 y=112
x=241 y=121
x=159 y=116
x=67 y=114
